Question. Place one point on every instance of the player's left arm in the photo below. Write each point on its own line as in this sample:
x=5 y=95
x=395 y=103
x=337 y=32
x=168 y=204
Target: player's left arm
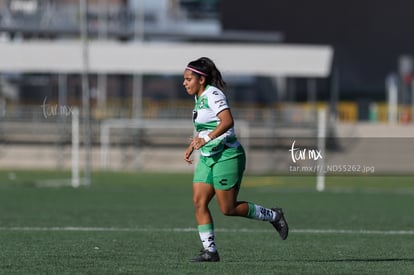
x=226 y=122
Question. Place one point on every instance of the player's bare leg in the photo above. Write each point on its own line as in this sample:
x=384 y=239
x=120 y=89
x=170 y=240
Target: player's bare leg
x=229 y=206
x=202 y=195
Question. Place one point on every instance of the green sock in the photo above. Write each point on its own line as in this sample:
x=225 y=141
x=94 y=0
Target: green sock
x=261 y=213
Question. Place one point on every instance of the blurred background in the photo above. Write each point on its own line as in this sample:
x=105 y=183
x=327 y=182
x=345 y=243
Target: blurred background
x=135 y=116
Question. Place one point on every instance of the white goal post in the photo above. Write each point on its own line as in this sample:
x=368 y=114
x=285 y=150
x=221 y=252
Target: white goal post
x=320 y=177
x=75 y=149
x=242 y=130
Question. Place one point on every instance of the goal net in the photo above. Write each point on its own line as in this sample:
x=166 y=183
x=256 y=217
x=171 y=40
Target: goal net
x=136 y=142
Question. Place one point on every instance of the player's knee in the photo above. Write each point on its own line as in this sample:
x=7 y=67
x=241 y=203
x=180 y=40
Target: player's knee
x=199 y=203
x=196 y=203
x=228 y=211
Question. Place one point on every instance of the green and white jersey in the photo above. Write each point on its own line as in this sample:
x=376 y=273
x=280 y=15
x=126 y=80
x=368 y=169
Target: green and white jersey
x=207 y=106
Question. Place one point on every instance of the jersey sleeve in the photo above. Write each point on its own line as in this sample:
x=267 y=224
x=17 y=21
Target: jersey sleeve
x=217 y=101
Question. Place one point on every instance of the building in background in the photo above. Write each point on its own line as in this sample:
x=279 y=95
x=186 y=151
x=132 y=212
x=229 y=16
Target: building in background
x=117 y=20
x=368 y=39
x=35 y=108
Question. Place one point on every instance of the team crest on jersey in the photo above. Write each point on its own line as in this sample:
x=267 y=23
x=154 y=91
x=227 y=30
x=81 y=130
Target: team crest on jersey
x=201 y=105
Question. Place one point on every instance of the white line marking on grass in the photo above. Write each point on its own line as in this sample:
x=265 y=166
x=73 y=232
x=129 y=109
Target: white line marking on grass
x=353 y=232
x=225 y=230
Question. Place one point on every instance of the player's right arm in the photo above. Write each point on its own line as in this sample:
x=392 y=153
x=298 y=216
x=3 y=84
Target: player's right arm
x=187 y=154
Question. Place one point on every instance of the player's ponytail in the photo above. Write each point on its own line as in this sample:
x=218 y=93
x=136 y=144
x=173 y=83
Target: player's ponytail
x=204 y=66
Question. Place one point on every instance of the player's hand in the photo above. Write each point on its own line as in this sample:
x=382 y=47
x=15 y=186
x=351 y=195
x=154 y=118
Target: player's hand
x=197 y=143
x=187 y=154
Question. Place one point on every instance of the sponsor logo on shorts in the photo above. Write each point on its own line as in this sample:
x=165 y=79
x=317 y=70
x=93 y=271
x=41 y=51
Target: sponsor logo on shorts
x=223 y=181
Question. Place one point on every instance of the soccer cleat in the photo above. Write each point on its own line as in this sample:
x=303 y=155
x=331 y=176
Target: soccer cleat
x=207 y=256
x=280 y=224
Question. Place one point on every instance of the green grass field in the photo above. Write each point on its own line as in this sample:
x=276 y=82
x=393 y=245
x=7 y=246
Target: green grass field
x=138 y=223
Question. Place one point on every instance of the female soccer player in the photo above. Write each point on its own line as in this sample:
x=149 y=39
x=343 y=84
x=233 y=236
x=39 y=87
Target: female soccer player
x=222 y=162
